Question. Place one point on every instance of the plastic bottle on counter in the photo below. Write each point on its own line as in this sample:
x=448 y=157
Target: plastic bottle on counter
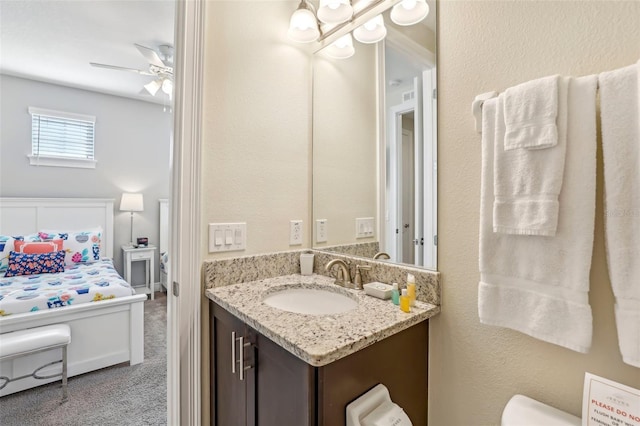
x=411 y=288
x=395 y=294
x=405 y=302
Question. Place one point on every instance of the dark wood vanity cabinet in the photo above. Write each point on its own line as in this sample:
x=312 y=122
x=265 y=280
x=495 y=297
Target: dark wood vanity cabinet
x=279 y=389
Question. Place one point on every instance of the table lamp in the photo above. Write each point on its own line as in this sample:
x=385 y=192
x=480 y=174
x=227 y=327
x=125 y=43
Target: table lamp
x=131 y=203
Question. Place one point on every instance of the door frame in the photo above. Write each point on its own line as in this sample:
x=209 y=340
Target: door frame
x=394 y=127
x=183 y=306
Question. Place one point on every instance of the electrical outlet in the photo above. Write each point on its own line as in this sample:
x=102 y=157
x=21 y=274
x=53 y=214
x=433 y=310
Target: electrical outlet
x=295 y=233
x=321 y=230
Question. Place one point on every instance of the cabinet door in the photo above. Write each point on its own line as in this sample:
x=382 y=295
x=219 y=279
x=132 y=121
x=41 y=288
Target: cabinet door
x=285 y=387
x=229 y=394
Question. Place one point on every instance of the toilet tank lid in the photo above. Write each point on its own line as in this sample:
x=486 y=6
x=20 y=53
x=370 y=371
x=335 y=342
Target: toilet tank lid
x=521 y=407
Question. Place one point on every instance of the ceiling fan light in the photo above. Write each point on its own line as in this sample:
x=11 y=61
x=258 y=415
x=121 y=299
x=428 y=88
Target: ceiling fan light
x=167 y=86
x=409 y=12
x=152 y=87
x=371 y=31
x=335 y=11
x=342 y=48
x=303 y=27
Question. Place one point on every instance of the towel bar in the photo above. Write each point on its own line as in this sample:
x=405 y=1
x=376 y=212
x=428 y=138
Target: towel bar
x=476 y=108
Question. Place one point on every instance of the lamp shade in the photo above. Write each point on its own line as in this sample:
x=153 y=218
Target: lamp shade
x=342 y=48
x=371 y=31
x=303 y=26
x=409 y=12
x=334 y=11
x=152 y=87
x=131 y=202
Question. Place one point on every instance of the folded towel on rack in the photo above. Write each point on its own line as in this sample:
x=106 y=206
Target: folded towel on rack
x=620 y=110
x=540 y=286
x=527 y=182
x=530 y=112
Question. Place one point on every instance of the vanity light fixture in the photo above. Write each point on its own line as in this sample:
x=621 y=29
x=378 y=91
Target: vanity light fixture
x=342 y=48
x=303 y=26
x=409 y=12
x=371 y=31
x=335 y=11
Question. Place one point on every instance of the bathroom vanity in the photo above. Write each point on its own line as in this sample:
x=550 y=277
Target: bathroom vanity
x=274 y=367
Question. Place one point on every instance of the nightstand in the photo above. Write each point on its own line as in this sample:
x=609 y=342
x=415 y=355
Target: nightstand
x=146 y=254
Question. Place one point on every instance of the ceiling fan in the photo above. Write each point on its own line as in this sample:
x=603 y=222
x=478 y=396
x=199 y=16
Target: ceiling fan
x=160 y=66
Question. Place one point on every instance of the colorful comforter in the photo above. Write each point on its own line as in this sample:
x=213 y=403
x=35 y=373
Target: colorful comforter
x=80 y=283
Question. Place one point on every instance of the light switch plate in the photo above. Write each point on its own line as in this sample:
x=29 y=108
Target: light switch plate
x=322 y=230
x=364 y=227
x=227 y=237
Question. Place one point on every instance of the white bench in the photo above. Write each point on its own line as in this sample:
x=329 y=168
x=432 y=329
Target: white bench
x=38 y=339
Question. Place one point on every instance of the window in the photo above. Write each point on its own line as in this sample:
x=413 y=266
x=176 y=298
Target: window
x=62 y=139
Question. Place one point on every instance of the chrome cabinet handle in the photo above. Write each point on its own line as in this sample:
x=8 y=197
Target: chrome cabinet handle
x=233 y=352
x=241 y=358
x=243 y=345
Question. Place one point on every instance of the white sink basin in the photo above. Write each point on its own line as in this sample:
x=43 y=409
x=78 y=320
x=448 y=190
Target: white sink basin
x=310 y=301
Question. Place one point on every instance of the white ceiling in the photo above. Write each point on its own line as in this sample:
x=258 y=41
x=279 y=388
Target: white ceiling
x=54 y=41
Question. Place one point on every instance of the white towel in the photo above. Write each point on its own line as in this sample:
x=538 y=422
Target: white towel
x=527 y=182
x=530 y=112
x=540 y=286
x=619 y=98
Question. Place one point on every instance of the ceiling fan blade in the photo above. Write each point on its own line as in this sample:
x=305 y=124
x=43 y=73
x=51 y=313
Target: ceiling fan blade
x=114 y=67
x=150 y=55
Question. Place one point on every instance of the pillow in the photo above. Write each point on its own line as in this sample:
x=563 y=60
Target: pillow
x=7 y=245
x=37 y=263
x=38 y=247
x=81 y=247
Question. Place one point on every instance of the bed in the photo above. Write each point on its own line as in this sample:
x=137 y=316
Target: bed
x=105 y=331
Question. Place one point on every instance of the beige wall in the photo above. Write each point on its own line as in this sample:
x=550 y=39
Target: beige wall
x=491 y=45
x=257 y=104
x=344 y=143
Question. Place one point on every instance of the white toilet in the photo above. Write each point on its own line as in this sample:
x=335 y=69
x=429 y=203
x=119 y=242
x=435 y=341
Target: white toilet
x=524 y=411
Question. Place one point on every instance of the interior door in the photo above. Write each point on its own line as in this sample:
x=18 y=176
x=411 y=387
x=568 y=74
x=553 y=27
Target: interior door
x=407 y=222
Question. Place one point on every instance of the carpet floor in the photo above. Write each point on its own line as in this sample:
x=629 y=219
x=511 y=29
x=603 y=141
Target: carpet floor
x=118 y=395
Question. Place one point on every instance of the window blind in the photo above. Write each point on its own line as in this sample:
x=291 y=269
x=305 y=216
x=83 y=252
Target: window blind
x=62 y=134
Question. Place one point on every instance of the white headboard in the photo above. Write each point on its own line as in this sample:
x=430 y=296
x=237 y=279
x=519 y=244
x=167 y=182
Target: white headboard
x=164 y=225
x=20 y=216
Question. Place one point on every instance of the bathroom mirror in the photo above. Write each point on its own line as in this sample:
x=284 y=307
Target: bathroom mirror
x=374 y=147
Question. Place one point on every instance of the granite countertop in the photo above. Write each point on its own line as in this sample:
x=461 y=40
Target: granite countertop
x=317 y=339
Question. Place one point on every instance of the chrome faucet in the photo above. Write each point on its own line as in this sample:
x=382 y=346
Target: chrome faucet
x=381 y=255
x=344 y=279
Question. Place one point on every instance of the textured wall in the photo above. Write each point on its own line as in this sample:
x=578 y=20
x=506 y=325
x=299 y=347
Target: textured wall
x=132 y=151
x=491 y=45
x=257 y=132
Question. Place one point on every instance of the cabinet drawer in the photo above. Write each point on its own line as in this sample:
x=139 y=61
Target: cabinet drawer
x=140 y=255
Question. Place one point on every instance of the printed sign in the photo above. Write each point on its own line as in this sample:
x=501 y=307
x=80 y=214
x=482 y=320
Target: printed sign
x=607 y=403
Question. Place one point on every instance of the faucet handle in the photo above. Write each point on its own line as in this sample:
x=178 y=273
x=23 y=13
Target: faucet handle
x=358 y=279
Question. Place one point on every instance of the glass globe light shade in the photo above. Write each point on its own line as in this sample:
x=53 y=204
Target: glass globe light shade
x=303 y=26
x=334 y=11
x=342 y=48
x=371 y=31
x=409 y=12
